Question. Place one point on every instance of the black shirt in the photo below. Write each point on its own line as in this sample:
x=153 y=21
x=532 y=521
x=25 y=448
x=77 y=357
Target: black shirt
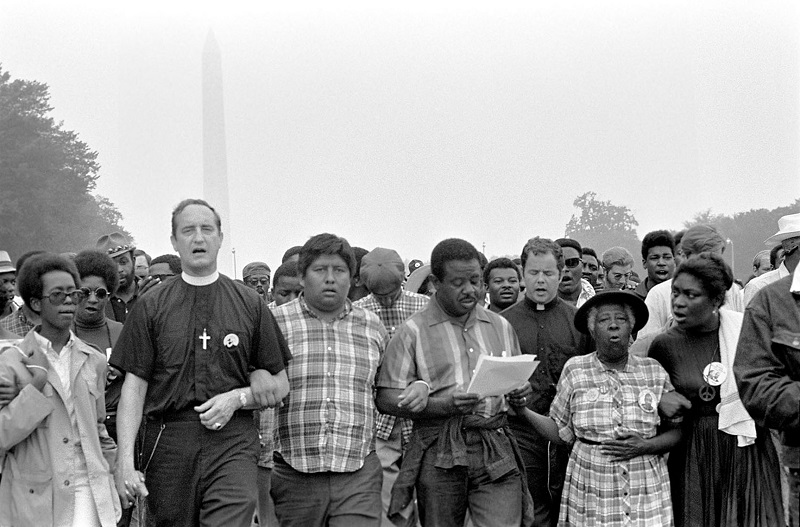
x=549 y=333
x=164 y=337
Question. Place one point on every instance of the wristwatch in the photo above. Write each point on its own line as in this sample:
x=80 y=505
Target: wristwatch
x=242 y=398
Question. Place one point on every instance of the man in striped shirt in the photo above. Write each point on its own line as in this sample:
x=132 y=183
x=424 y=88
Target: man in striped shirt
x=326 y=469
x=461 y=455
x=382 y=271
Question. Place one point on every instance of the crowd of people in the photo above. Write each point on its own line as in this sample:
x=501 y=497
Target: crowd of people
x=334 y=392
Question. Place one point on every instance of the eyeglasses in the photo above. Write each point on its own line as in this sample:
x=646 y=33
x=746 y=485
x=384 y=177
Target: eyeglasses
x=161 y=277
x=572 y=263
x=256 y=281
x=100 y=292
x=58 y=297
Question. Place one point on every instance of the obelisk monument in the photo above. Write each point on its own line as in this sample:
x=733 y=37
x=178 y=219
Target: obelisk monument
x=215 y=159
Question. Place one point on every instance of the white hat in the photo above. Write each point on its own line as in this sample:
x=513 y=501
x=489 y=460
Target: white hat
x=5 y=263
x=788 y=227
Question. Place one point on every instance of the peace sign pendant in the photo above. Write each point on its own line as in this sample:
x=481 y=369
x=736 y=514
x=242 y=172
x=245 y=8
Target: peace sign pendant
x=707 y=393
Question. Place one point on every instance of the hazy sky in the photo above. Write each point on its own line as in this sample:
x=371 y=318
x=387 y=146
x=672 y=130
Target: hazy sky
x=400 y=126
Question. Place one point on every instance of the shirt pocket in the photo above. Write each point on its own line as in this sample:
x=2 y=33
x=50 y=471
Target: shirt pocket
x=787 y=344
x=32 y=498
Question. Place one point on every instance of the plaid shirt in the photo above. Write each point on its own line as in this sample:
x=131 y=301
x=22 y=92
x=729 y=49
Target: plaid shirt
x=595 y=404
x=17 y=323
x=328 y=424
x=406 y=305
x=433 y=347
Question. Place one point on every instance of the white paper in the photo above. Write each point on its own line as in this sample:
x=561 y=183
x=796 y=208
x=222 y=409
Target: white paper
x=500 y=375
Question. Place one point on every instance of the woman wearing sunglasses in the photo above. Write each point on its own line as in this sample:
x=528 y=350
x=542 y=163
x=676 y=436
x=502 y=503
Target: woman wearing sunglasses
x=99 y=280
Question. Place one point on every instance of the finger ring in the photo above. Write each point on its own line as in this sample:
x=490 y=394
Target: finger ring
x=217 y=426
x=524 y=399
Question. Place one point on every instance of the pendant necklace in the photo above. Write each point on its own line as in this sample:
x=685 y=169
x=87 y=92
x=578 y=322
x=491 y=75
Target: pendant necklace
x=714 y=374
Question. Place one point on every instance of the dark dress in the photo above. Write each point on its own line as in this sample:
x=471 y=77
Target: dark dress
x=714 y=482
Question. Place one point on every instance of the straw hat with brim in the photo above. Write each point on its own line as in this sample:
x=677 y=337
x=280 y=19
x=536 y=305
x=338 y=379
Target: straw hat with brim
x=612 y=297
x=788 y=227
x=5 y=263
x=114 y=244
x=414 y=281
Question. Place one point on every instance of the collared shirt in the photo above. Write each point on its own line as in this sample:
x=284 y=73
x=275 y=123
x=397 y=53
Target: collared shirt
x=17 y=323
x=767 y=364
x=443 y=351
x=328 y=424
x=760 y=282
x=587 y=292
x=406 y=305
x=117 y=309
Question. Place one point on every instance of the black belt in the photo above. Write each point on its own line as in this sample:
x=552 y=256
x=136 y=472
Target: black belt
x=589 y=441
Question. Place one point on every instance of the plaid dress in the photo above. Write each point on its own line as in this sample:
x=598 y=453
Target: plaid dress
x=595 y=404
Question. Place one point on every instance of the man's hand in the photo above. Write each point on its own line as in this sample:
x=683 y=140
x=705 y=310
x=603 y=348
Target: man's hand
x=464 y=402
x=112 y=374
x=521 y=396
x=268 y=390
x=673 y=404
x=414 y=397
x=147 y=283
x=625 y=449
x=130 y=484
x=217 y=411
x=37 y=364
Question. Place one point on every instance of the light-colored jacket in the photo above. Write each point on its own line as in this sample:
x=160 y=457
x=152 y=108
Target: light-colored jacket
x=37 y=484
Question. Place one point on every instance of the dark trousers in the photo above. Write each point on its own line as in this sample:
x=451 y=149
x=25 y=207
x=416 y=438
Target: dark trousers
x=794 y=497
x=545 y=467
x=319 y=499
x=201 y=477
x=445 y=495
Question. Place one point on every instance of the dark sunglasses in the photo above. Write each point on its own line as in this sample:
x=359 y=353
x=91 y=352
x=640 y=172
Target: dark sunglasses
x=161 y=277
x=58 y=297
x=256 y=281
x=572 y=263
x=100 y=292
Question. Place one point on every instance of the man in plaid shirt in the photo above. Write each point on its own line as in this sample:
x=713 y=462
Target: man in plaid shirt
x=382 y=272
x=326 y=469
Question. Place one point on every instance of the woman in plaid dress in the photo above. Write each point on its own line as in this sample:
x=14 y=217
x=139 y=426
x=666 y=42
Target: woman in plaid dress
x=607 y=405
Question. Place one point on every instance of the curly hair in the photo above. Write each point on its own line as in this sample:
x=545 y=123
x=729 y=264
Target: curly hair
x=711 y=271
x=97 y=263
x=449 y=250
x=657 y=239
x=29 y=278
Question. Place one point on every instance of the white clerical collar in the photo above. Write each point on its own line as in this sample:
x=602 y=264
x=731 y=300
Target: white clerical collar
x=200 y=280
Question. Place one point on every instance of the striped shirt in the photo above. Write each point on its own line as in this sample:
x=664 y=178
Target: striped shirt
x=392 y=317
x=442 y=351
x=328 y=424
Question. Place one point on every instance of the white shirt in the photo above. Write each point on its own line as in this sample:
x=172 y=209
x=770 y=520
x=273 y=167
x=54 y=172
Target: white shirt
x=760 y=282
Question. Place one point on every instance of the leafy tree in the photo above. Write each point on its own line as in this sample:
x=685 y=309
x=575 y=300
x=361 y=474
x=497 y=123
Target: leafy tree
x=602 y=225
x=746 y=232
x=47 y=177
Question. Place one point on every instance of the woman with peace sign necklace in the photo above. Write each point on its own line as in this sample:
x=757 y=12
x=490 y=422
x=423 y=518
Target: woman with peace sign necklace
x=725 y=471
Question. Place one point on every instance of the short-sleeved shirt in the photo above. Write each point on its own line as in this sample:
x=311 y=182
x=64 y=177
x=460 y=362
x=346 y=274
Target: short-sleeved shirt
x=601 y=404
x=328 y=424
x=443 y=351
x=191 y=343
x=392 y=317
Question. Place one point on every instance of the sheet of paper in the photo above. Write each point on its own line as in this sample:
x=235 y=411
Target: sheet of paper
x=500 y=375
